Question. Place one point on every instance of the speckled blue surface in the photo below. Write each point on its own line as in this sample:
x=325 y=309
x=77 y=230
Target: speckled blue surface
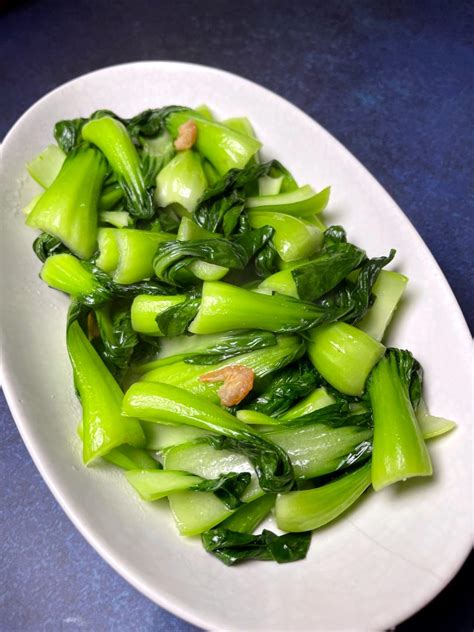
x=391 y=80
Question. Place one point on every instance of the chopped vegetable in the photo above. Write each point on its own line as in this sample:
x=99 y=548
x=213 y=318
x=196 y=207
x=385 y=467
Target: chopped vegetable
x=182 y=181
x=153 y=401
x=223 y=147
x=112 y=138
x=269 y=390
x=68 y=209
x=104 y=427
x=344 y=356
x=399 y=448
x=313 y=508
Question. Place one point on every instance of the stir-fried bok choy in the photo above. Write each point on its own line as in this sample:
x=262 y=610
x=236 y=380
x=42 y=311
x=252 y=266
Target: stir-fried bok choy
x=228 y=345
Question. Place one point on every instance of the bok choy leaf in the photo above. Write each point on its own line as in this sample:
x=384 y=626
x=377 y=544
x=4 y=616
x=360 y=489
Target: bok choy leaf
x=231 y=547
x=153 y=401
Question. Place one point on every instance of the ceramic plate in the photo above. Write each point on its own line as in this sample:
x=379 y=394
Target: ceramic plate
x=396 y=549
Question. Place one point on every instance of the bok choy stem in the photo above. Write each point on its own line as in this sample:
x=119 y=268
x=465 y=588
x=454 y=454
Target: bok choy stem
x=153 y=401
x=68 y=209
x=111 y=137
x=399 y=450
x=104 y=426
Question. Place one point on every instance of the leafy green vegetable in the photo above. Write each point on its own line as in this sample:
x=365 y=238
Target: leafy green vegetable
x=149 y=123
x=118 y=344
x=111 y=195
x=300 y=202
x=229 y=346
x=222 y=204
x=173 y=258
x=319 y=398
x=204 y=111
x=201 y=459
x=313 y=508
x=189 y=230
x=163 y=436
x=146 y=125
x=112 y=138
x=262 y=361
x=271 y=463
x=146 y=310
x=68 y=209
x=431 y=426
x=118 y=340
x=293 y=237
x=46 y=166
x=223 y=147
x=118 y=219
x=129 y=458
x=344 y=356
x=155 y=484
x=210 y=349
x=388 y=290
x=46 y=245
x=232 y=546
x=317 y=449
x=269 y=186
x=153 y=401
x=247 y=518
x=175 y=320
x=356 y=297
x=127 y=254
x=224 y=306
x=399 y=449
x=327 y=270
x=88 y=284
x=334 y=415
x=104 y=427
x=288 y=385
x=68 y=133
x=267 y=260
x=254 y=417
x=181 y=181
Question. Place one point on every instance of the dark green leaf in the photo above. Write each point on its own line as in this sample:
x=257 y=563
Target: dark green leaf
x=222 y=204
x=228 y=488
x=334 y=415
x=148 y=124
x=46 y=245
x=272 y=464
x=355 y=298
x=117 y=338
x=253 y=241
x=173 y=258
x=232 y=546
x=267 y=260
x=329 y=268
x=175 y=320
x=68 y=133
x=233 y=345
x=334 y=235
x=410 y=372
x=288 y=385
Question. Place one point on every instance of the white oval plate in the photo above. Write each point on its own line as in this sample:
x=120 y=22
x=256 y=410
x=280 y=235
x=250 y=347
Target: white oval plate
x=388 y=556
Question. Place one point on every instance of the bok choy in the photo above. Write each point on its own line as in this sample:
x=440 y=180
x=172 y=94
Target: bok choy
x=227 y=346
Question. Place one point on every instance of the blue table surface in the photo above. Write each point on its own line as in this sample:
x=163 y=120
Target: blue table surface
x=391 y=80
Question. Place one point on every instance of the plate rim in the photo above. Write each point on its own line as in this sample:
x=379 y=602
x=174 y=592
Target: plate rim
x=161 y=597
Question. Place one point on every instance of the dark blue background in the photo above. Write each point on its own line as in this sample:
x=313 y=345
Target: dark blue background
x=391 y=80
